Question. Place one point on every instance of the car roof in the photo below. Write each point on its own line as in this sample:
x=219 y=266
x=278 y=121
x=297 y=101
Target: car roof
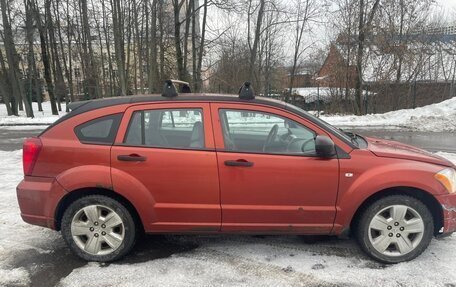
x=85 y=106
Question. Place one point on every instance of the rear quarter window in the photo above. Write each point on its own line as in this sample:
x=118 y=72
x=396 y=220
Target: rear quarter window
x=100 y=130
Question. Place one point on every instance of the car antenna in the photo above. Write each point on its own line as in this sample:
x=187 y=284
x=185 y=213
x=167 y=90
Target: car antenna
x=246 y=92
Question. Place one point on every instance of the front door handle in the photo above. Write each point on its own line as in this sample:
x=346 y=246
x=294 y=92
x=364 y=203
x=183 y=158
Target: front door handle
x=239 y=162
x=131 y=157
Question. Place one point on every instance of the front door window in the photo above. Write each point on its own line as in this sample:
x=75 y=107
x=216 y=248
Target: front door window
x=258 y=132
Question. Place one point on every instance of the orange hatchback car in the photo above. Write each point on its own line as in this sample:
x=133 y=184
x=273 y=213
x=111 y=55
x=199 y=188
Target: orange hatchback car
x=202 y=163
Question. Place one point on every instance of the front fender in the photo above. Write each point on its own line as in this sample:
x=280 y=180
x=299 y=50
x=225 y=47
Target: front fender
x=385 y=174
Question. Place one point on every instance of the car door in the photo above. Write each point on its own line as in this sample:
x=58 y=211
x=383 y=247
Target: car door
x=276 y=185
x=168 y=150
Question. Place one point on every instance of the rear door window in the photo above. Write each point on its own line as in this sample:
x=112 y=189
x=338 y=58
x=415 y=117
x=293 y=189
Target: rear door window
x=168 y=128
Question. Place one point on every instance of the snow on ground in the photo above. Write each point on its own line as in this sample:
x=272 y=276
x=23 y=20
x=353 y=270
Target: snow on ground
x=434 y=118
x=44 y=117
x=15 y=235
x=32 y=255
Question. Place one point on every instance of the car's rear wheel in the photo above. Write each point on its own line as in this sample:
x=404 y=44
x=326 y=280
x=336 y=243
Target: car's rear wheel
x=98 y=228
x=395 y=228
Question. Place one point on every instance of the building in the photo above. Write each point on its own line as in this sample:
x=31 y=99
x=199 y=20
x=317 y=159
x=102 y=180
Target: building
x=336 y=71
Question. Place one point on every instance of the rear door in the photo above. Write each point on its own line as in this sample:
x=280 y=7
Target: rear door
x=169 y=150
x=270 y=178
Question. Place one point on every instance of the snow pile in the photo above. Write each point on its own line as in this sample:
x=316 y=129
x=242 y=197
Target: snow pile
x=449 y=156
x=434 y=118
x=41 y=118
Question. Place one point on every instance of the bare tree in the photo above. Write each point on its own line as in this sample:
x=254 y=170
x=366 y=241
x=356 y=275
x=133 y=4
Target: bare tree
x=365 y=18
x=119 y=47
x=306 y=11
x=253 y=46
x=13 y=63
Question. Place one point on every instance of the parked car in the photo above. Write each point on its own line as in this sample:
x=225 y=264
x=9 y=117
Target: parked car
x=217 y=164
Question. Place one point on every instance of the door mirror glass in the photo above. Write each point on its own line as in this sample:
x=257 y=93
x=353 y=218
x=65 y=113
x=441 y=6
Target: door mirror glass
x=324 y=146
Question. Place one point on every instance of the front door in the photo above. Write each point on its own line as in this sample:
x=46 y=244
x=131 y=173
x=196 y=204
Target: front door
x=270 y=178
x=168 y=150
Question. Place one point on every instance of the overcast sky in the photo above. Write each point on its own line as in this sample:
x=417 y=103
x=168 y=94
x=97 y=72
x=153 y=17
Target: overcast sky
x=447 y=4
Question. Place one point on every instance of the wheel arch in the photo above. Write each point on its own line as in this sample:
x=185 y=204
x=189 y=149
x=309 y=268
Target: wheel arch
x=425 y=197
x=72 y=196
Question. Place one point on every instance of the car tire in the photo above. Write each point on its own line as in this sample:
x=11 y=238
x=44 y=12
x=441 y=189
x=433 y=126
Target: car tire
x=395 y=229
x=98 y=228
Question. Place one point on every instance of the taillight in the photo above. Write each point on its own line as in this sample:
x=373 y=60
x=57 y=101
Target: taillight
x=30 y=151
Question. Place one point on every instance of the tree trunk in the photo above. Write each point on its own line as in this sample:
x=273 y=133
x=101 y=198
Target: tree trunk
x=108 y=50
x=68 y=71
x=45 y=59
x=194 y=16
x=91 y=72
x=60 y=87
x=363 y=28
x=187 y=32
x=160 y=41
x=119 y=45
x=13 y=64
x=199 y=79
x=33 y=85
x=254 y=48
x=5 y=88
x=177 y=40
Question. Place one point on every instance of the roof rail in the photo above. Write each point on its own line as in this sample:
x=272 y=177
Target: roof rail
x=169 y=89
x=246 y=92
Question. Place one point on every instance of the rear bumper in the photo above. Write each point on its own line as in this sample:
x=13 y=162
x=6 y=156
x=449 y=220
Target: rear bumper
x=448 y=203
x=38 y=198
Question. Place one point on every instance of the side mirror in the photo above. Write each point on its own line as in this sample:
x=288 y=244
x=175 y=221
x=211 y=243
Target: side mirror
x=325 y=147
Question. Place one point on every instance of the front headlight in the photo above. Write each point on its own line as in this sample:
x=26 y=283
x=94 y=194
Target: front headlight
x=447 y=177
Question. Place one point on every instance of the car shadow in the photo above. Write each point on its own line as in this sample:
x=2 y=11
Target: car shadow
x=151 y=247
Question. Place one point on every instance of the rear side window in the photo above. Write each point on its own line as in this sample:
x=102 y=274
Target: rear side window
x=99 y=131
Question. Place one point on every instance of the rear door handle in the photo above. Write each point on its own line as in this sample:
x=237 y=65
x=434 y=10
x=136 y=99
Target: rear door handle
x=239 y=162
x=131 y=157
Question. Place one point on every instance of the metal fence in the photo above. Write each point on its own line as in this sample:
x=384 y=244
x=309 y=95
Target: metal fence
x=376 y=97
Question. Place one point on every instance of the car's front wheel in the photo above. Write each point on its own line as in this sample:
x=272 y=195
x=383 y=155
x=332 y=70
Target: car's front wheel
x=395 y=228
x=98 y=228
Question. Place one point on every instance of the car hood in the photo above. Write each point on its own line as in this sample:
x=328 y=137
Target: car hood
x=393 y=149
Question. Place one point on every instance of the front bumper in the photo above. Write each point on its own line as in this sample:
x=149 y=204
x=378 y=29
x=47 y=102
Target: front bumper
x=38 y=198
x=448 y=202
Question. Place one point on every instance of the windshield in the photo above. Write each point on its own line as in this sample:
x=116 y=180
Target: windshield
x=338 y=132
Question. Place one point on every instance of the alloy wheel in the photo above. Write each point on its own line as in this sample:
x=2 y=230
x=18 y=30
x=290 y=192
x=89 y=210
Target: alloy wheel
x=97 y=230
x=396 y=230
